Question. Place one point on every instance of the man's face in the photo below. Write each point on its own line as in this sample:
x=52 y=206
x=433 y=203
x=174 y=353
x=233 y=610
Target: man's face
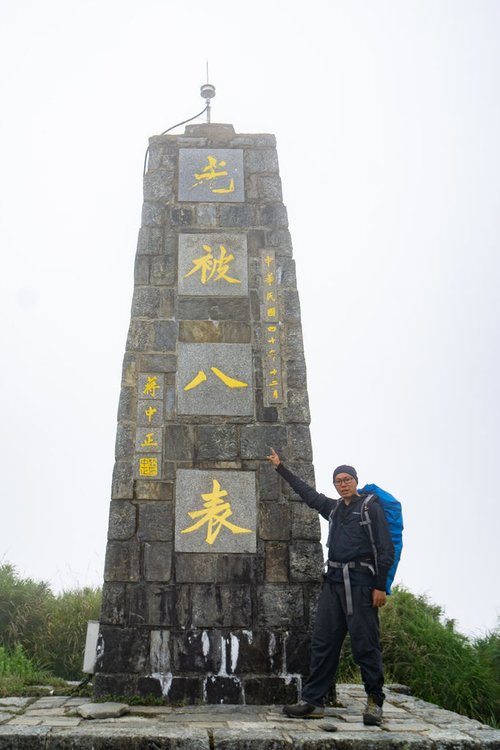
x=345 y=484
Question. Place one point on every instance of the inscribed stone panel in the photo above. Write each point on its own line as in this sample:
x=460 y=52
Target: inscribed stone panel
x=213 y=265
x=211 y=175
x=215 y=511
x=215 y=379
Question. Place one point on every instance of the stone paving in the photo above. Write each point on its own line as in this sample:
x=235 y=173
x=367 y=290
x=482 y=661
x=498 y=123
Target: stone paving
x=53 y=723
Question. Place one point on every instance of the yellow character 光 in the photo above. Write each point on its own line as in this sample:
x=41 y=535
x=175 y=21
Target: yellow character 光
x=215 y=514
x=209 y=172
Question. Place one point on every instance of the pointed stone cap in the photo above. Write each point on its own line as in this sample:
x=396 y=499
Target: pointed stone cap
x=210 y=130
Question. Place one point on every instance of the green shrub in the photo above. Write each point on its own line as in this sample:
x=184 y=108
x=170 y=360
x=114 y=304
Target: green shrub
x=442 y=666
x=50 y=628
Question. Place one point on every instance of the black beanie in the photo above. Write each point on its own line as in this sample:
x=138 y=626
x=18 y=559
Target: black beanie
x=344 y=469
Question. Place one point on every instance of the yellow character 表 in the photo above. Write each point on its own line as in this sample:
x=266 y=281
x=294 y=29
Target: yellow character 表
x=215 y=513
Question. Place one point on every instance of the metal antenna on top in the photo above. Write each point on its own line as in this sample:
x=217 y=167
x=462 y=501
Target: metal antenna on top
x=207 y=91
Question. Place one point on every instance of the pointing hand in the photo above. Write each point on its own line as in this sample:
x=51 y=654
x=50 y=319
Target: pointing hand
x=274 y=458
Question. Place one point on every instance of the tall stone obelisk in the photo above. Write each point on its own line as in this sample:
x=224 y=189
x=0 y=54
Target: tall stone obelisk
x=212 y=566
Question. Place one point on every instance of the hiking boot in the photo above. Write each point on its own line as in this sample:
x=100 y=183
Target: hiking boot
x=372 y=715
x=304 y=710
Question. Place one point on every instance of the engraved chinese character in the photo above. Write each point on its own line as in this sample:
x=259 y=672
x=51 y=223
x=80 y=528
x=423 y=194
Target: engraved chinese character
x=215 y=513
x=209 y=172
x=148 y=467
x=214 y=268
x=226 y=379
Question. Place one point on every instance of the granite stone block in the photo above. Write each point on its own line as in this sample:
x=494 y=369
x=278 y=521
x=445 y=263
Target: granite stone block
x=127 y=404
x=239 y=569
x=269 y=188
x=125 y=435
x=297 y=409
x=276 y=562
x=296 y=373
x=305 y=522
x=155 y=521
x=159 y=653
x=274 y=521
x=279 y=605
x=197 y=651
x=306 y=561
x=165 y=335
x=113 y=603
x=221 y=605
x=122 y=520
x=182 y=217
x=114 y=684
x=256 y=440
x=216 y=442
x=213 y=265
x=150 y=241
x=200 y=331
x=206 y=215
x=223 y=689
x=153 y=490
x=158 y=185
x=211 y=175
x=269 y=482
x=270 y=690
x=236 y=332
x=236 y=216
x=297 y=652
x=122 y=486
x=261 y=160
x=122 y=561
x=158 y=363
x=153 y=216
x=186 y=690
x=169 y=606
x=291 y=305
x=272 y=215
x=179 y=442
x=195 y=568
x=215 y=379
x=140 y=335
x=125 y=649
x=141 y=270
x=299 y=443
x=158 y=561
x=163 y=271
x=215 y=511
x=136 y=605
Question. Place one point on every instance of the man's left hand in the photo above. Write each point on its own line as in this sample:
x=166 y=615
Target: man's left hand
x=379 y=598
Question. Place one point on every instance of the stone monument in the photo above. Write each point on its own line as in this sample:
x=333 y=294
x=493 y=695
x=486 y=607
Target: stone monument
x=212 y=565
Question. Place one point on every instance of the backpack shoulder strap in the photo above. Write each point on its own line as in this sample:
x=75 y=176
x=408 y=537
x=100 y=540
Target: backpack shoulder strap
x=330 y=522
x=366 y=521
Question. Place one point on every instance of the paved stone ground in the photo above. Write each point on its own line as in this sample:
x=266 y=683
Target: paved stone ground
x=52 y=723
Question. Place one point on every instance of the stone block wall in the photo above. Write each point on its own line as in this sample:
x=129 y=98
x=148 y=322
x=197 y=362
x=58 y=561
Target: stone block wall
x=212 y=566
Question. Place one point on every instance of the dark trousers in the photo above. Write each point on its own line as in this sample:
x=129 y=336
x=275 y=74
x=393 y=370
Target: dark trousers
x=330 y=629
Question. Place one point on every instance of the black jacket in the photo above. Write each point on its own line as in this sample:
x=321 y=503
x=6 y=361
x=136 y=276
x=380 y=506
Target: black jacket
x=349 y=541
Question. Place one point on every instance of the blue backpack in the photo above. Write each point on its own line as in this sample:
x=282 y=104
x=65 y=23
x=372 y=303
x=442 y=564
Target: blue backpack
x=394 y=515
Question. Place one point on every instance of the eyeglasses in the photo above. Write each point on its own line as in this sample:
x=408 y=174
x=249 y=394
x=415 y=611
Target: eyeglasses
x=344 y=481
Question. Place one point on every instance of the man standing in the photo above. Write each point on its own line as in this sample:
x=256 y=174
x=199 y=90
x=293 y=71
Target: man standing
x=353 y=590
